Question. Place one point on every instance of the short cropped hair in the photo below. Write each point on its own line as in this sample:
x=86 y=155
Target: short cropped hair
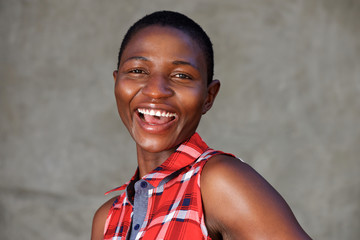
x=178 y=21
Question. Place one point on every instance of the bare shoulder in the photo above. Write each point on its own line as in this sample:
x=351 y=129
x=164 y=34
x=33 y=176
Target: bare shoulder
x=99 y=219
x=240 y=204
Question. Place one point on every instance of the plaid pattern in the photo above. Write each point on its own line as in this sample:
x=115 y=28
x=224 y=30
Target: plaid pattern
x=175 y=208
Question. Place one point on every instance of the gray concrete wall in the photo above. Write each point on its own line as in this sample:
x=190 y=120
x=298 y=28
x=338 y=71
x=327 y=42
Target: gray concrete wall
x=289 y=106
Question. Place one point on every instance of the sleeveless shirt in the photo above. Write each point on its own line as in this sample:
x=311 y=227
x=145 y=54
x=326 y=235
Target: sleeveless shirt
x=166 y=203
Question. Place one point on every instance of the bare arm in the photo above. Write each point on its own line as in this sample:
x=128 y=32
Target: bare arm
x=97 y=232
x=240 y=204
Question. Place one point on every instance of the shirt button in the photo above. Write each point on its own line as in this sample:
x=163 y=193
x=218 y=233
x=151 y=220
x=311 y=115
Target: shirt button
x=143 y=184
x=137 y=226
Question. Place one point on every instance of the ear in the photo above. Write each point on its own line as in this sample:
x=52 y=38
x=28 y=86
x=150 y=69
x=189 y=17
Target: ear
x=212 y=91
x=115 y=73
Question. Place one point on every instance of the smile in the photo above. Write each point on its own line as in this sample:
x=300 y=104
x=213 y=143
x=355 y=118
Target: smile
x=156 y=116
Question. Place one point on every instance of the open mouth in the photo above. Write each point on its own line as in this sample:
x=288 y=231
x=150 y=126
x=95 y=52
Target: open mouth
x=155 y=116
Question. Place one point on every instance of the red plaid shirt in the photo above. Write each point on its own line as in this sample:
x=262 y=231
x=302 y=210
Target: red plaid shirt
x=174 y=208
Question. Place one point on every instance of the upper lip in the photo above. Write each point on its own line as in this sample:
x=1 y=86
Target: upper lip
x=156 y=109
x=156 y=112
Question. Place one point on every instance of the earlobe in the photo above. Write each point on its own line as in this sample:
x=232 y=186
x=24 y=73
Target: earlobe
x=115 y=73
x=213 y=90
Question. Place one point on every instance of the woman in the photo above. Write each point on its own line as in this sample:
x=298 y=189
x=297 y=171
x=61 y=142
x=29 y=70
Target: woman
x=182 y=189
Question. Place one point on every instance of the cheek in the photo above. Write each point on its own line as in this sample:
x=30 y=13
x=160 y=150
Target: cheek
x=124 y=92
x=193 y=101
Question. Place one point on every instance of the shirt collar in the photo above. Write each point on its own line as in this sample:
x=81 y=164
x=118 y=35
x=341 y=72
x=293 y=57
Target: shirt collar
x=184 y=155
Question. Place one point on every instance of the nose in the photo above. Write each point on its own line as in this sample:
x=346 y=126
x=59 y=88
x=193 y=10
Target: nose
x=157 y=87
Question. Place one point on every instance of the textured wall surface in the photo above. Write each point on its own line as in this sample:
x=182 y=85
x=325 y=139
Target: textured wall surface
x=289 y=106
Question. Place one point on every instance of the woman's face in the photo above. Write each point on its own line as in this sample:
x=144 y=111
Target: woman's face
x=161 y=88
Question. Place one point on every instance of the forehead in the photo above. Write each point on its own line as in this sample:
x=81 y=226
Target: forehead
x=164 y=29
x=163 y=37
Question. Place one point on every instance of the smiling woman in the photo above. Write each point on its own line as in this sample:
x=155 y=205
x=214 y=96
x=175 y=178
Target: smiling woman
x=182 y=189
x=161 y=70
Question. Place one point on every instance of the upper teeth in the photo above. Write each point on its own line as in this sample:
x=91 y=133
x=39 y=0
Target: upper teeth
x=157 y=113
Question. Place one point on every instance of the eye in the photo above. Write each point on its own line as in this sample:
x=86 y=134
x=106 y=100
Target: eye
x=182 y=76
x=136 y=71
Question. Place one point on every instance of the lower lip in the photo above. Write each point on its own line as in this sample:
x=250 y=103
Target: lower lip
x=154 y=129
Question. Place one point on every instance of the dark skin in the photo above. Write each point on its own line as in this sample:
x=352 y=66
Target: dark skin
x=163 y=69
x=153 y=74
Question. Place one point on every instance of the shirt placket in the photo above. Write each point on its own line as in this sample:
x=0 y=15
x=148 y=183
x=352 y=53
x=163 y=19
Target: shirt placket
x=141 y=199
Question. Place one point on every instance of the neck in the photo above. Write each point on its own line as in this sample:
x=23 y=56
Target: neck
x=148 y=161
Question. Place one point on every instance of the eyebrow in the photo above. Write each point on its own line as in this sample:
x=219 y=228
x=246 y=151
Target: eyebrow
x=179 y=62
x=137 y=58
